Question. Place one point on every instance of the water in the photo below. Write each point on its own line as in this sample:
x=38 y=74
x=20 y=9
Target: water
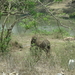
x=18 y=29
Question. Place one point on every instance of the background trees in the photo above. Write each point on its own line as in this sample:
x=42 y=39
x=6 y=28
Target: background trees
x=32 y=13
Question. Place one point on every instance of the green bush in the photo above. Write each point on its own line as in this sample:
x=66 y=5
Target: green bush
x=58 y=0
x=35 y=52
x=44 y=32
x=72 y=15
x=58 y=33
x=4 y=45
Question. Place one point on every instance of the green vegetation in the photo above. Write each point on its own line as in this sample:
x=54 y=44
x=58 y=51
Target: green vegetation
x=58 y=0
x=44 y=32
x=28 y=23
x=18 y=56
x=59 y=33
x=72 y=15
x=68 y=53
x=61 y=52
x=64 y=51
x=30 y=19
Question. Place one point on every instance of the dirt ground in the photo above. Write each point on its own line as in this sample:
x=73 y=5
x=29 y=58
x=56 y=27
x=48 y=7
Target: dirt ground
x=61 y=5
x=20 y=60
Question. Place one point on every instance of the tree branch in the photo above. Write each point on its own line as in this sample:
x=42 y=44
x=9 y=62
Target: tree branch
x=9 y=30
x=58 y=22
x=3 y=25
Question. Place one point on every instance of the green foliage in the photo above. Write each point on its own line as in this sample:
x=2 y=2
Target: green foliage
x=30 y=6
x=4 y=42
x=10 y=0
x=64 y=51
x=46 y=19
x=59 y=33
x=1 y=14
x=36 y=52
x=62 y=14
x=58 y=0
x=37 y=15
x=62 y=31
x=41 y=0
x=68 y=53
x=32 y=11
x=42 y=17
x=45 y=32
x=27 y=23
x=72 y=15
x=20 y=6
x=4 y=45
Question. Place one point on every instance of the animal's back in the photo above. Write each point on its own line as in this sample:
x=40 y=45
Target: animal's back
x=45 y=44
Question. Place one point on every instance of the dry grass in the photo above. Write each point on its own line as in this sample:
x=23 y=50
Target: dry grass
x=25 y=64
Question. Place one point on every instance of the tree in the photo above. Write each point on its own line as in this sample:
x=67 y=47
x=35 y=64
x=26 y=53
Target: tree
x=12 y=7
x=19 y=7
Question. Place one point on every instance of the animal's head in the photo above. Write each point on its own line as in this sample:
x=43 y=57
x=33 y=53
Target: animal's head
x=34 y=38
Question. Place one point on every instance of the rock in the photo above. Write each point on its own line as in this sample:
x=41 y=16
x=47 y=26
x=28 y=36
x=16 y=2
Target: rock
x=71 y=64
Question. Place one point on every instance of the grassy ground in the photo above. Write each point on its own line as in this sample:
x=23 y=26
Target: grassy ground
x=21 y=61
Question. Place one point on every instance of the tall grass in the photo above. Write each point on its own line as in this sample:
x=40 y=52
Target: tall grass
x=26 y=63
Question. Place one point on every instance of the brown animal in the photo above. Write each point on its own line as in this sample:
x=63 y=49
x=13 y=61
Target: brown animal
x=41 y=43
